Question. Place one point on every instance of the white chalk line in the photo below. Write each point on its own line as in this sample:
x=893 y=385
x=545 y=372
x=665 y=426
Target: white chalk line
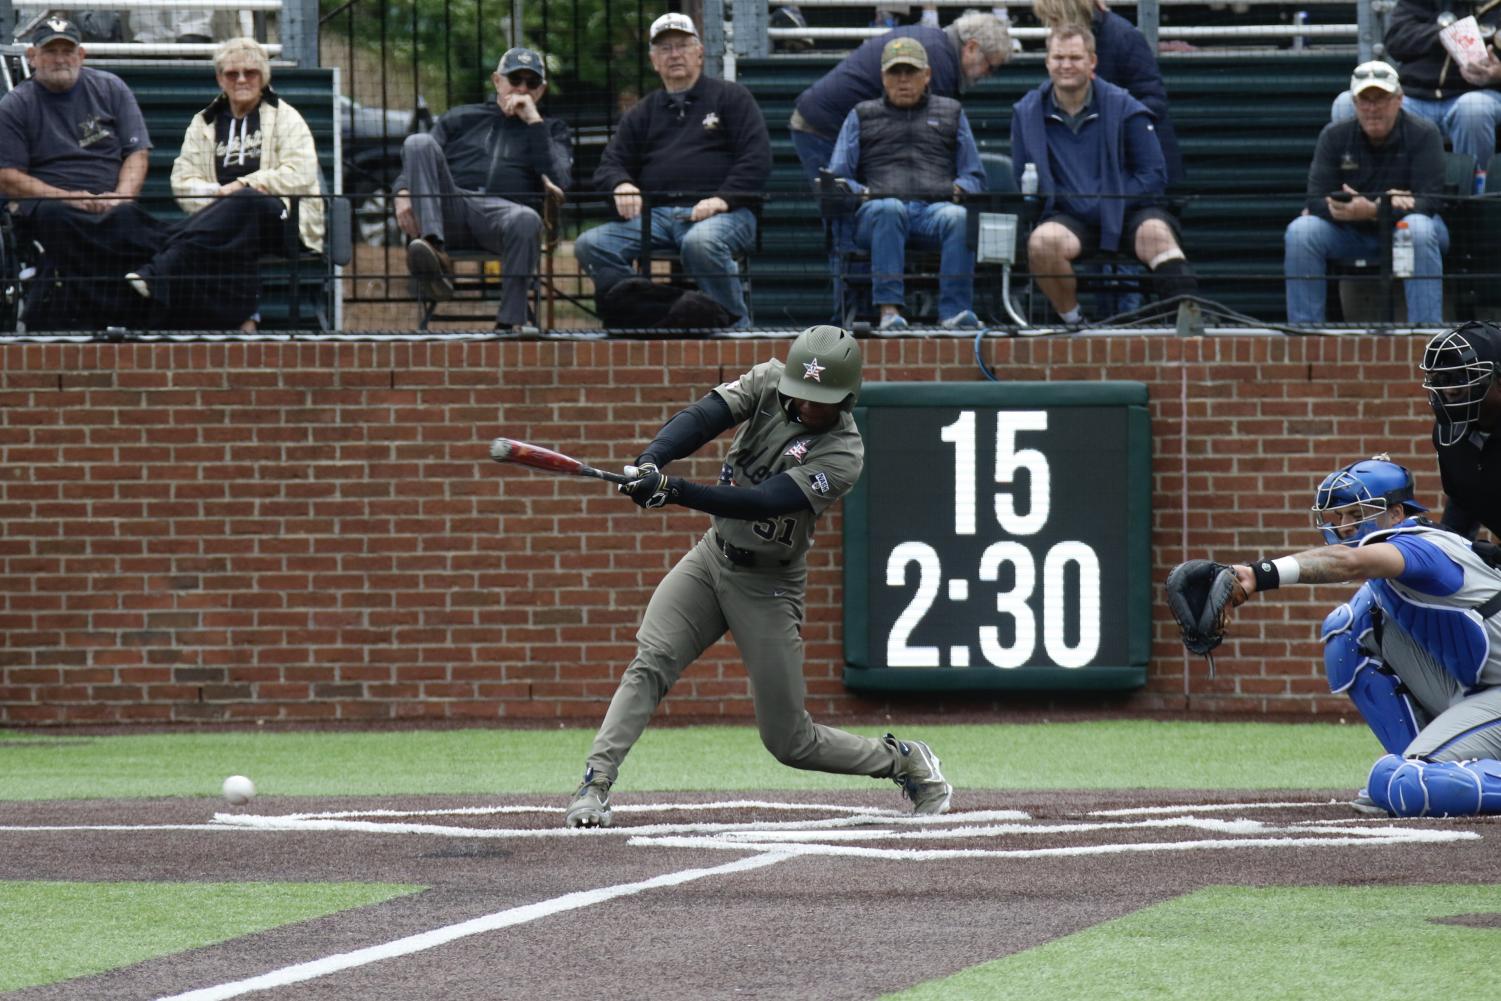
x=783 y=848
x=1135 y=811
x=730 y=804
x=474 y=926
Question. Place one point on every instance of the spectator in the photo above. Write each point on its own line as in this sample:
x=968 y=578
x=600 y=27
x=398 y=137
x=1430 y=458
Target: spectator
x=700 y=150
x=1385 y=153
x=1464 y=102
x=182 y=25
x=1100 y=173
x=911 y=154
x=480 y=178
x=73 y=157
x=958 y=56
x=243 y=158
x=1126 y=60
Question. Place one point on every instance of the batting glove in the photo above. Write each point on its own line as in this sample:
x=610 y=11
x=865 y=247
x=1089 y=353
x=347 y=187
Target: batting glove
x=651 y=488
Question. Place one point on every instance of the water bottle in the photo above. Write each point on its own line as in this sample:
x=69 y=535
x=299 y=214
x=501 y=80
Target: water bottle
x=1402 y=253
x=1029 y=179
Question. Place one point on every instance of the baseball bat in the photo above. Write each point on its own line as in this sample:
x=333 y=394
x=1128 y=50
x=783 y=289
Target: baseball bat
x=545 y=459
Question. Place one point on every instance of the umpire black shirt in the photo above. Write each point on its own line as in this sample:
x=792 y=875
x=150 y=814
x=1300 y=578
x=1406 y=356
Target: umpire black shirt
x=709 y=140
x=1471 y=473
x=1411 y=159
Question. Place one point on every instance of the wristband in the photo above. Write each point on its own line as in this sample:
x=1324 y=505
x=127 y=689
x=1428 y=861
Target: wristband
x=1288 y=569
x=1268 y=577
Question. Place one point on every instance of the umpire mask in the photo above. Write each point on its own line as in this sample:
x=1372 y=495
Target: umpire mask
x=1459 y=368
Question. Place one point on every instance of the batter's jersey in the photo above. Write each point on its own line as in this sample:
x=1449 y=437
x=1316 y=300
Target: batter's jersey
x=1435 y=597
x=824 y=466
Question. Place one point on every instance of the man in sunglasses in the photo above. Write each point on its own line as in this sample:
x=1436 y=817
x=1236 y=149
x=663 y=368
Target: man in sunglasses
x=479 y=179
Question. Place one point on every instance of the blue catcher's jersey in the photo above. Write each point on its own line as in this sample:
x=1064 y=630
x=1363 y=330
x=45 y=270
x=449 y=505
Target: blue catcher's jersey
x=1435 y=597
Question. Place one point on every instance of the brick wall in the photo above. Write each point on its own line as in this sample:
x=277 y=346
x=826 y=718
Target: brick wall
x=202 y=532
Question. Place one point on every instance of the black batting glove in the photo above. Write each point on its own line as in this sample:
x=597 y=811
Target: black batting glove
x=651 y=487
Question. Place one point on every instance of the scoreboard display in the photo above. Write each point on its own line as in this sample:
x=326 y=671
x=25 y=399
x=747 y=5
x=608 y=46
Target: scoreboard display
x=999 y=537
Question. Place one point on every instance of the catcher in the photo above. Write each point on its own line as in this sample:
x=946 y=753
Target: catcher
x=1417 y=649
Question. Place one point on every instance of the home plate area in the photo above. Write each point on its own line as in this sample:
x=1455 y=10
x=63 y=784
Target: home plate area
x=788 y=829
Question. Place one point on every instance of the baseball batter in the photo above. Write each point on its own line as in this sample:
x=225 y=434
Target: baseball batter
x=1418 y=647
x=796 y=451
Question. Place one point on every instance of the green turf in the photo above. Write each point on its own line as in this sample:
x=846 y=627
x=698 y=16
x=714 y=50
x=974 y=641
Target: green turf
x=1113 y=754
x=56 y=931
x=1291 y=943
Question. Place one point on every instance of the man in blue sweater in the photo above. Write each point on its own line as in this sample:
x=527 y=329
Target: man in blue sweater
x=959 y=56
x=1100 y=174
x=479 y=179
x=699 y=150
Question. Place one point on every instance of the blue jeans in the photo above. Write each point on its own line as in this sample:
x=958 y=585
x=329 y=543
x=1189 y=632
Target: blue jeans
x=886 y=225
x=708 y=249
x=1310 y=242
x=1467 y=120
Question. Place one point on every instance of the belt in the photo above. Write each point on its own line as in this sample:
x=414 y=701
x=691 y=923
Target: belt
x=744 y=557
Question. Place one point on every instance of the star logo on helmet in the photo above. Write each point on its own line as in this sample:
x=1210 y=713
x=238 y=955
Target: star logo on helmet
x=813 y=370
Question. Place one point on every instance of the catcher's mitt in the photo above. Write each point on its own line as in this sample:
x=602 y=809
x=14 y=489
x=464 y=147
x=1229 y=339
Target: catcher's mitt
x=1200 y=594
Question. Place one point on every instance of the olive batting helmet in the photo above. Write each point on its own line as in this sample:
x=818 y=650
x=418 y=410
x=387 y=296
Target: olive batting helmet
x=823 y=366
x=1459 y=369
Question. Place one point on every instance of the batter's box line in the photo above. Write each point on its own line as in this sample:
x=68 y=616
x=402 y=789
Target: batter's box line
x=732 y=804
x=1141 y=811
x=1399 y=836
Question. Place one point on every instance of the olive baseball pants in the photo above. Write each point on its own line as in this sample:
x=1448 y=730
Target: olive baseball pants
x=695 y=604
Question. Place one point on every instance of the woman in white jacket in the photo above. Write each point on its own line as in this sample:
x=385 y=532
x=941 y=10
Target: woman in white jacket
x=241 y=157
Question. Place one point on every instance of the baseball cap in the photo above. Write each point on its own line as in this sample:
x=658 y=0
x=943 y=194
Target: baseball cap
x=1382 y=76
x=56 y=27
x=904 y=52
x=519 y=59
x=673 y=22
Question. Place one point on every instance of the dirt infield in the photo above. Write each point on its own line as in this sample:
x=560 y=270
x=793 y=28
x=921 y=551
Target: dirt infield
x=774 y=896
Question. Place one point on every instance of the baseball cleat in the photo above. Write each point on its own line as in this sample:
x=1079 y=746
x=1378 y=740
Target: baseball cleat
x=1363 y=803
x=591 y=804
x=917 y=772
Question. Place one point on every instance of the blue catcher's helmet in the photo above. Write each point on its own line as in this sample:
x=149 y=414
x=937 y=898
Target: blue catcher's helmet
x=1367 y=489
x=1459 y=368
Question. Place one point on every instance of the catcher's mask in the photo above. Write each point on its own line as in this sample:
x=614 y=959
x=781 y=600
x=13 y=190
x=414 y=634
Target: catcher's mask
x=1460 y=367
x=823 y=365
x=1366 y=489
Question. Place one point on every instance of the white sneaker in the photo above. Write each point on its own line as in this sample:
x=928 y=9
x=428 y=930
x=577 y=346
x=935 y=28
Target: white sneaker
x=893 y=321
x=139 y=284
x=966 y=320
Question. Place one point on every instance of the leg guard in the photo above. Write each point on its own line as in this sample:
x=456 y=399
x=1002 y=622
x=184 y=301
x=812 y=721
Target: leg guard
x=1416 y=788
x=1354 y=670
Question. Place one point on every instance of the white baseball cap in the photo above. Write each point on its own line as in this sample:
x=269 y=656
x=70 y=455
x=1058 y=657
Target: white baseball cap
x=673 y=22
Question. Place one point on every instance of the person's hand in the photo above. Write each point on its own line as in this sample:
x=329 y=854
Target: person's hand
x=651 y=487
x=405 y=217
x=708 y=207
x=89 y=202
x=1482 y=74
x=233 y=186
x=1402 y=201
x=521 y=106
x=1357 y=209
x=1246 y=578
x=627 y=200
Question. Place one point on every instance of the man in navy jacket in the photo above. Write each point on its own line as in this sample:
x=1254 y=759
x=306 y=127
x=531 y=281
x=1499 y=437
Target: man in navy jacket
x=1100 y=173
x=699 y=150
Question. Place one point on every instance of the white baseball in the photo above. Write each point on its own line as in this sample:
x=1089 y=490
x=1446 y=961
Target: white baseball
x=239 y=790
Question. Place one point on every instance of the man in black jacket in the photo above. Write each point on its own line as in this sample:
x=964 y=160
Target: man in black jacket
x=1385 y=155
x=479 y=180
x=1463 y=101
x=699 y=151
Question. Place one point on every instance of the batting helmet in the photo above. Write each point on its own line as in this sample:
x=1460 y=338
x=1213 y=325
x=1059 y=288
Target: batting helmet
x=1460 y=367
x=1370 y=487
x=823 y=365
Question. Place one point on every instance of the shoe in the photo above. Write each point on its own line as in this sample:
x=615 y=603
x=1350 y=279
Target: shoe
x=967 y=320
x=432 y=269
x=591 y=804
x=1363 y=803
x=139 y=284
x=893 y=321
x=518 y=329
x=918 y=774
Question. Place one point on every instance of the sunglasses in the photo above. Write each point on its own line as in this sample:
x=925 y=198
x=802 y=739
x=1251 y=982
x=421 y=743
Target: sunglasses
x=1381 y=73
x=250 y=74
x=530 y=81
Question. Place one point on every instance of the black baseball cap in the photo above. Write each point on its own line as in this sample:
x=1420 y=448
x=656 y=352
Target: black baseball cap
x=56 y=27
x=518 y=59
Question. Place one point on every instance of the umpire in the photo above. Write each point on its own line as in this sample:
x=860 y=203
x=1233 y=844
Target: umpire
x=1459 y=369
x=796 y=451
